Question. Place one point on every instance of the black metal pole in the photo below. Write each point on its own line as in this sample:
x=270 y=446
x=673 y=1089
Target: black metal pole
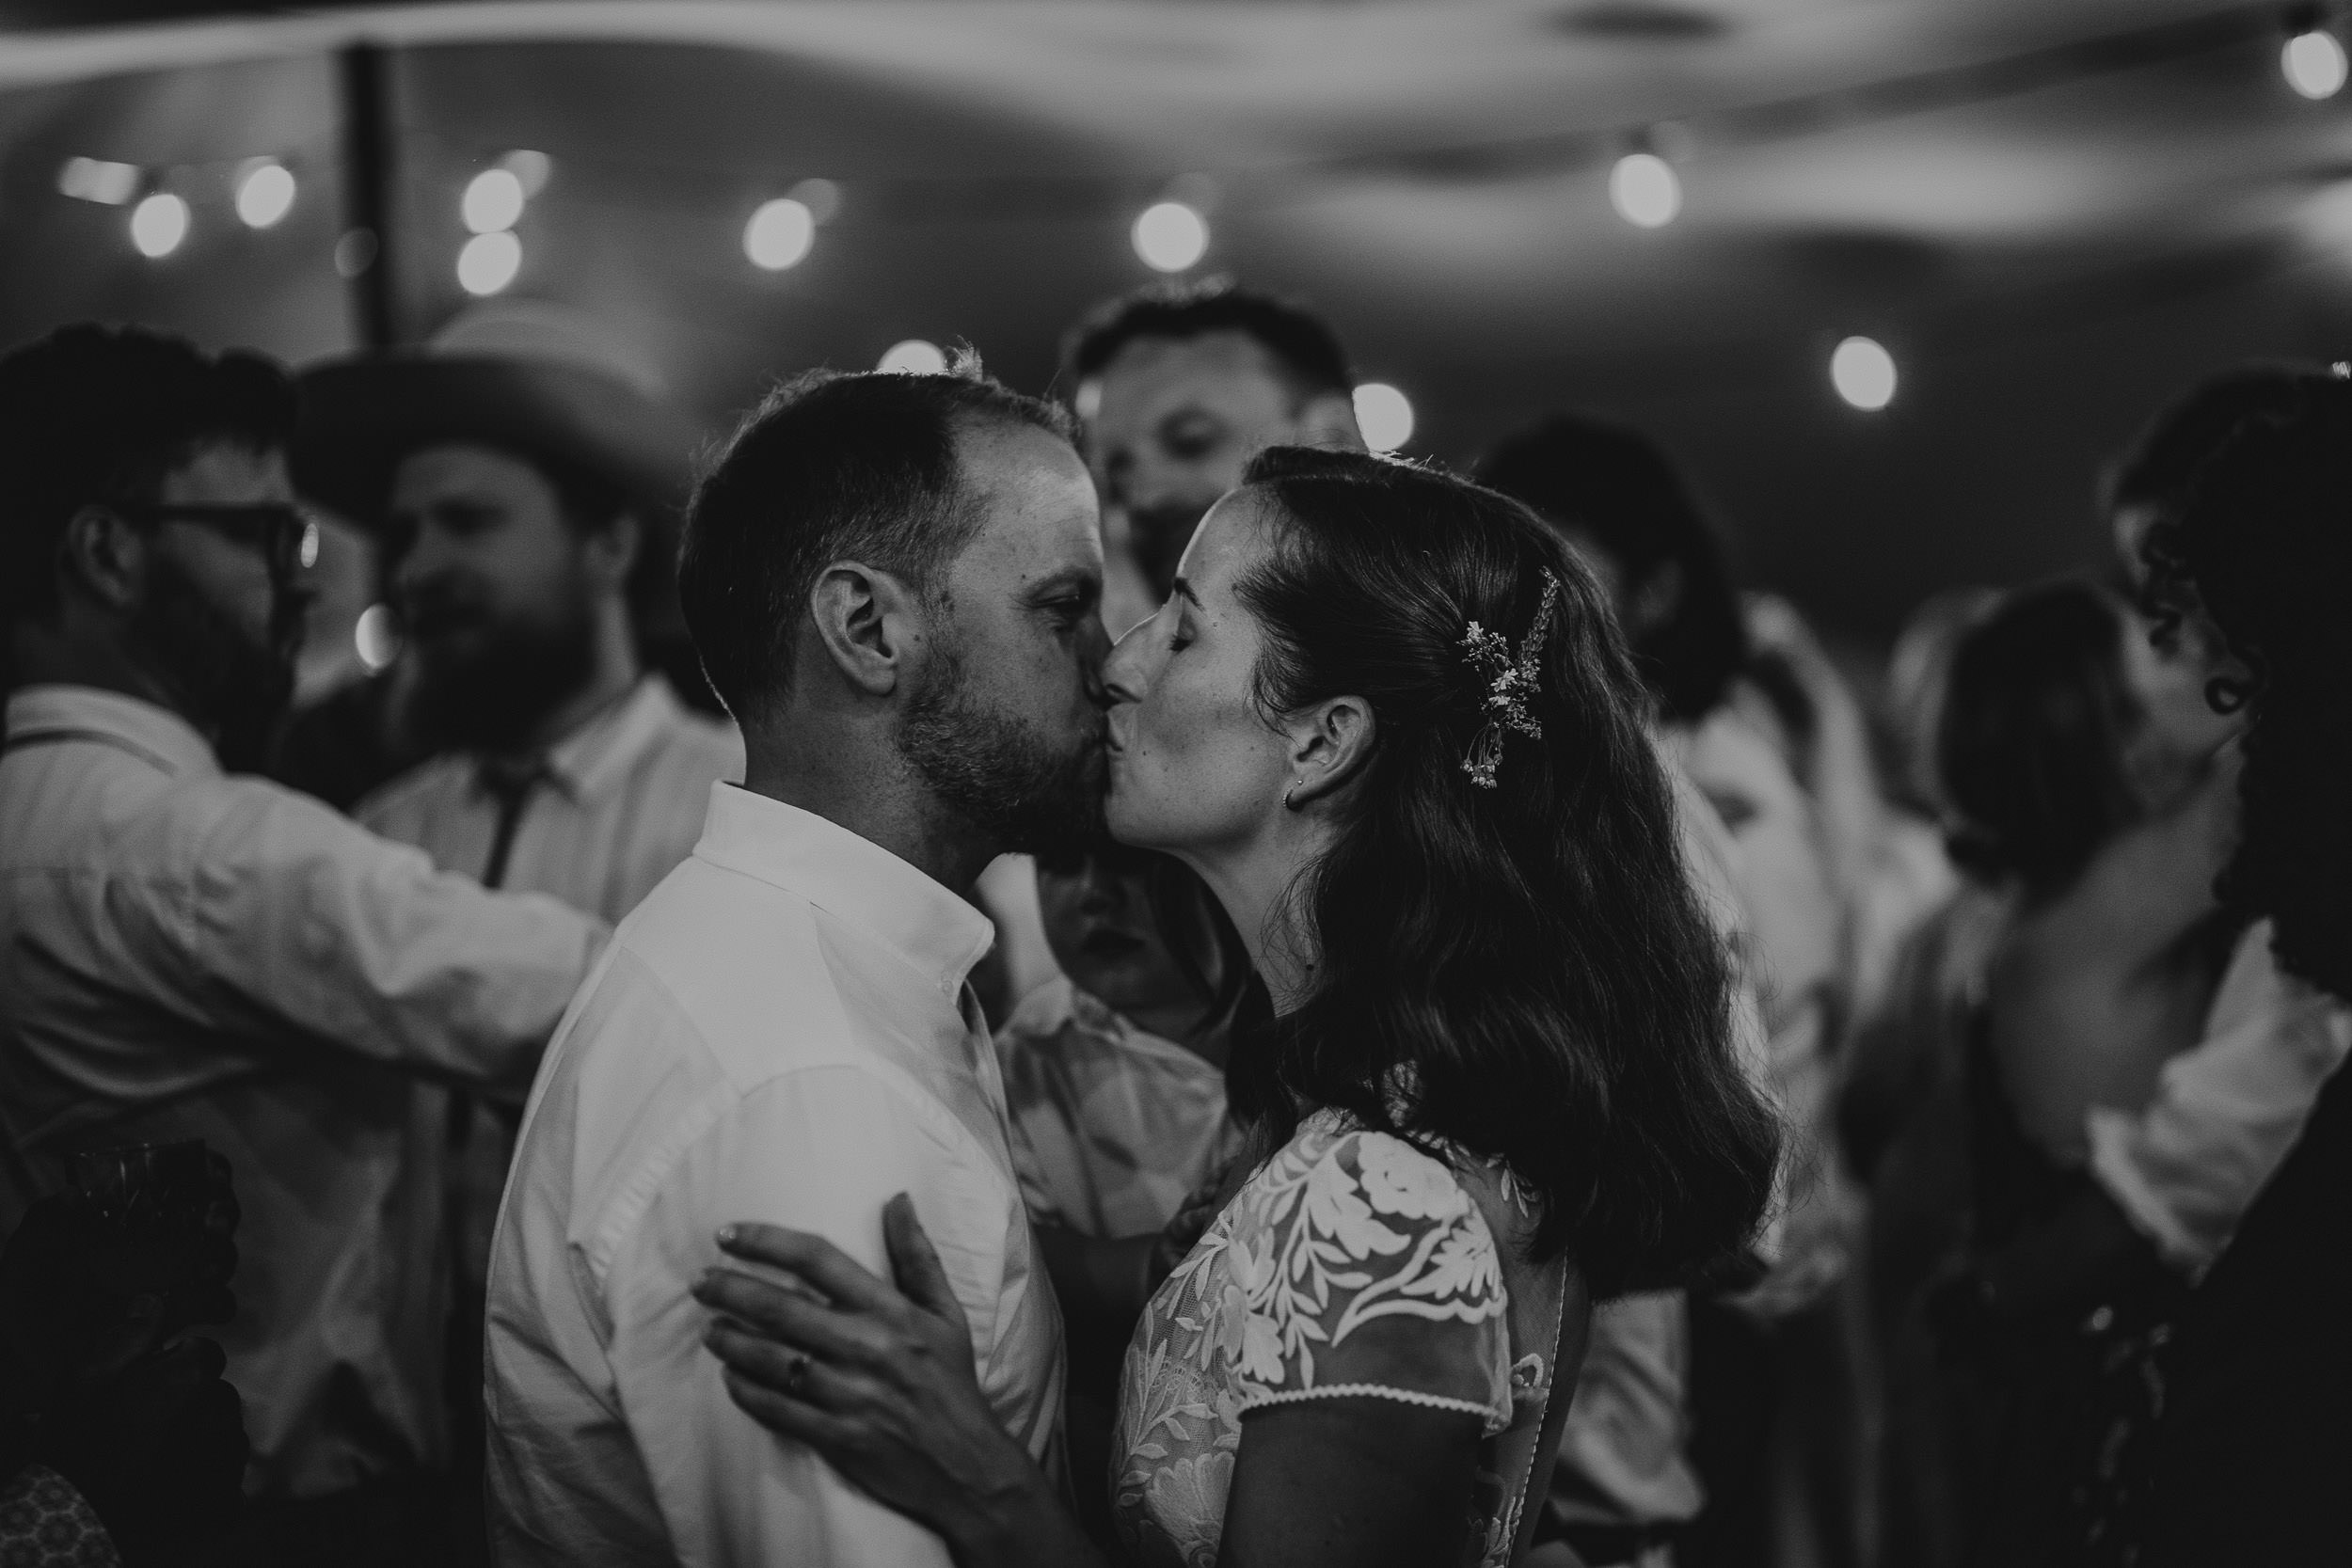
x=364 y=254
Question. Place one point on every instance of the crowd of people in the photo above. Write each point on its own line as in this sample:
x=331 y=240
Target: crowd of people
x=1111 y=977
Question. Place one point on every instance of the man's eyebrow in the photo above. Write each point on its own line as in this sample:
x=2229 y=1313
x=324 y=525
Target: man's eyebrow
x=1184 y=590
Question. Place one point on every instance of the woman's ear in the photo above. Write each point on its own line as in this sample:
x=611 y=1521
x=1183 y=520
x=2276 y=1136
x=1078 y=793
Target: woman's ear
x=868 y=624
x=1330 y=743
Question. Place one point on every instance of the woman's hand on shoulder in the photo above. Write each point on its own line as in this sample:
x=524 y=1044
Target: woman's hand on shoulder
x=879 y=1381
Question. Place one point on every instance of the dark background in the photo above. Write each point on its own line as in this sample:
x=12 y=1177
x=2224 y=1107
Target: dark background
x=2054 y=214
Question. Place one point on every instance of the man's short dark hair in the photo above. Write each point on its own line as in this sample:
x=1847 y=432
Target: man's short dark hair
x=92 y=415
x=2162 y=464
x=830 y=466
x=1300 y=342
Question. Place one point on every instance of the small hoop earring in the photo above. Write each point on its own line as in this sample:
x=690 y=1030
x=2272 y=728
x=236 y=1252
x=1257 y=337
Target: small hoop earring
x=1288 y=793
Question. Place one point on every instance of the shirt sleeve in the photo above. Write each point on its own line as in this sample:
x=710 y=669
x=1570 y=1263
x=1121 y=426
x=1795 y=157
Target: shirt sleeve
x=277 y=918
x=2187 y=1166
x=1368 y=1271
x=821 y=1150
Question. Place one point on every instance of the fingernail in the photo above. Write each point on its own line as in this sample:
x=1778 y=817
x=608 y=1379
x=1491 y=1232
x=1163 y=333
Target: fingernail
x=726 y=1235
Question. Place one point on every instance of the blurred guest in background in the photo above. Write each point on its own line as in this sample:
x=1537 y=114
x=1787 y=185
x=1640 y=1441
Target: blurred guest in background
x=506 y=467
x=1178 y=386
x=1115 y=1079
x=186 y=952
x=2093 y=798
x=2148 y=485
x=2240 y=1166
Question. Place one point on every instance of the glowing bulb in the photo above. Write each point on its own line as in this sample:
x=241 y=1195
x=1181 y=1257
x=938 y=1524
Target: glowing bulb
x=489 y=263
x=159 y=224
x=492 y=200
x=1384 y=415
x=532 y=169
x=1644 y=190
x=1170 y=236
x=109 y=185
x=780 y=234
x=377 y=637
x=1864 y=373
x=265 y=195
x=914 y=358
x=2314 y=64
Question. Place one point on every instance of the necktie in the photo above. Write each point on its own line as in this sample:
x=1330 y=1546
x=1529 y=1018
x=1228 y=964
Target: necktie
x=509 y=783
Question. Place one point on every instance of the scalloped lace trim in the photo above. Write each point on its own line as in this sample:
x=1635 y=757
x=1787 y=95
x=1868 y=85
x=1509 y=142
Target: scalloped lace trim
x=1374 y=1391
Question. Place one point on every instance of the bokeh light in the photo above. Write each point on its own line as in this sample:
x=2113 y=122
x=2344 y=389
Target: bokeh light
x=265 y=193
x=1384 y=415
x=1170 y=236
x=780 y=234
x=915 y=356
x=532 y=169
x=158 y=224
x=99 y=179
x=375 y=636
x=489 y=263
x=2314 y=64
x=1646 y=190
x=492 y=200
x=1864 y=373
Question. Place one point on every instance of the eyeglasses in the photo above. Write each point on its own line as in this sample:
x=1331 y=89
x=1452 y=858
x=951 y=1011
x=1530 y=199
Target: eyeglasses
x=287 y=536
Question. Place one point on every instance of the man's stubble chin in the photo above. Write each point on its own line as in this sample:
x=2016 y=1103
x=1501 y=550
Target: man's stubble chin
x=996 y=771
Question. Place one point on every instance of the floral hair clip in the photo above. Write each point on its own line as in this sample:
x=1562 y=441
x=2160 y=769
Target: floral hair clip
x=1509 y=684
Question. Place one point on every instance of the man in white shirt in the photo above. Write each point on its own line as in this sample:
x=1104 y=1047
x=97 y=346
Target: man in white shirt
x=189 y=953
x=894 y=583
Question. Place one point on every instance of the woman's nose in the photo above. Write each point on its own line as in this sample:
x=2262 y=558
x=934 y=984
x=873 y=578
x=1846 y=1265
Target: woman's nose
x=1124 y=677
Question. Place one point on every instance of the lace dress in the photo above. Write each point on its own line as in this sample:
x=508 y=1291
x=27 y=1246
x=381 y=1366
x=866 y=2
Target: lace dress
x=1351 y=1263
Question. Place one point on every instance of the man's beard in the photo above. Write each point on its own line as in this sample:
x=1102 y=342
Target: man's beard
x=228 y=683
x=996 y=771
x=503 y=683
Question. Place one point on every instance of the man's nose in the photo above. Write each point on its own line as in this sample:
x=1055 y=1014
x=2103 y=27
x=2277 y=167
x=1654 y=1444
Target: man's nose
x=1094 y=649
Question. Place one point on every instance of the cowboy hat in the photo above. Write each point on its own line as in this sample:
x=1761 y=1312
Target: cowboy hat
x=535 y=379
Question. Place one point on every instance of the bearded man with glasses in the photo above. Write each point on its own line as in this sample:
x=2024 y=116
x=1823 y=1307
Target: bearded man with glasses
x=190 y=952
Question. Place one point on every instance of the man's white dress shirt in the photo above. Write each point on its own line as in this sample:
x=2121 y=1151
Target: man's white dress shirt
x=620 y=803
x=617 y=806
x=185 y=954
x=780 y=1033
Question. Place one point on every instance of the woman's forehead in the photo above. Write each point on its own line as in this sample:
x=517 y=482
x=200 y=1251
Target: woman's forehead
x=1230 y=539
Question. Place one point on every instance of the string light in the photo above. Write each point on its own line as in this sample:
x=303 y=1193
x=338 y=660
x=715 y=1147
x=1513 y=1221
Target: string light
x=489 y=263
x=779 y=234
x=109 y=185
x=2313 y=63
x=1170 y=236
x=265 y=193
x=1384 y=416
x=1646 y=190
x=375 y=636
x=1864 y=373
x=158 y=224
x=913 y=357
x=492 y=200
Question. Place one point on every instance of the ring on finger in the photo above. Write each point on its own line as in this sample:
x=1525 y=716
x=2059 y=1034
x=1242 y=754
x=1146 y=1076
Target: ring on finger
x=793 y=1374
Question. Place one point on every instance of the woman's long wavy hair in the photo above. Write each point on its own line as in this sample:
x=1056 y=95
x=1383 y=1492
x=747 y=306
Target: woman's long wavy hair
x=2262 y=553
x=1535 y=952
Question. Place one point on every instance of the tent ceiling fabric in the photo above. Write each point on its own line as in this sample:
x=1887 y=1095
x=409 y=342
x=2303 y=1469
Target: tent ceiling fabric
x=1983 y=183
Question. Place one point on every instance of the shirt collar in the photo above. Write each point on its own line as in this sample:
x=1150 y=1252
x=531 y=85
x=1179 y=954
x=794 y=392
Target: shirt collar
x=853 y=879
x=114 y=718
x=595 y=758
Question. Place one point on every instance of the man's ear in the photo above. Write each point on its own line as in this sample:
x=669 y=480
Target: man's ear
x=613 y=549
x=870 y=624
x=1328 y=420
x=1330 y=743
x=103 y=558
